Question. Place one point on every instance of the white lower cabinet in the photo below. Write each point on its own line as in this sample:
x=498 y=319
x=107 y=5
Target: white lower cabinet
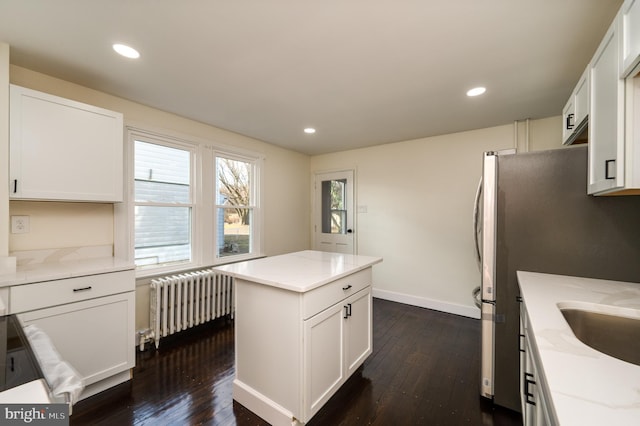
x=535 y=408
x=358 y=343
x=324 y=355
x=92 y=331
x=295 y=349
x=337 y=341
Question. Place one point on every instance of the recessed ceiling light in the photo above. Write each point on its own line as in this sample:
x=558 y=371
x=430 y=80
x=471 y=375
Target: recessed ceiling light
x=476 y=91
x=309 y=130
x=126 y=51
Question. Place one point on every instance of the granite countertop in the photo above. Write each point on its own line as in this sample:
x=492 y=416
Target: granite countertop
x=585 y=386
x=300 y=271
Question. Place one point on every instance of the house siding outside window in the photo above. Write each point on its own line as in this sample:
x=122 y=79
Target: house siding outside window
x=193 y=205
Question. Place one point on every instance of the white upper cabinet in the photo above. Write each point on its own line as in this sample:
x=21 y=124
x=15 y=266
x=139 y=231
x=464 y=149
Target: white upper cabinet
x=606 y=117
x=614 y=117
x=63 y=150
x=630 y=31
x=576 y=111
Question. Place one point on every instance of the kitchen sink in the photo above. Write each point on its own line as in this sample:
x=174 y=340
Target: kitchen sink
x=612 y=334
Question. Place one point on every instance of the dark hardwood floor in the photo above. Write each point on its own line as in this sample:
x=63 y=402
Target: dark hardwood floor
x=423 y=371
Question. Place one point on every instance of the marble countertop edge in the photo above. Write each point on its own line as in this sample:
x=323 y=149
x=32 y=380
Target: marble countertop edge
x=586 y=386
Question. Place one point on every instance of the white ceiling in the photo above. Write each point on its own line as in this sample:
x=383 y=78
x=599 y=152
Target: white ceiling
x=363 y=72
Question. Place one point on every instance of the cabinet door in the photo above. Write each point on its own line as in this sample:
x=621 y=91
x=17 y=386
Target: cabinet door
x=630 y=31
x=606 y=118
x=581 y=99
x=14 y=374
x=95 y=336
x=63 y=150
x=358 y=333
x=324 y=369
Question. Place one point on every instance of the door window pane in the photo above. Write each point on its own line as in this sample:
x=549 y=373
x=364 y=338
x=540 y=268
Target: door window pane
x=334 y=213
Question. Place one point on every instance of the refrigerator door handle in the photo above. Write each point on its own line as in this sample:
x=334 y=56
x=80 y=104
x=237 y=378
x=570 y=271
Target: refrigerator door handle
x=476 y=222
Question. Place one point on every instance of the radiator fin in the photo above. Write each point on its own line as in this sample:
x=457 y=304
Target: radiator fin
x=182 y=301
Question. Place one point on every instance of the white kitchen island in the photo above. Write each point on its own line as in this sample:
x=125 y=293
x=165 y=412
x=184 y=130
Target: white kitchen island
x=302 y=327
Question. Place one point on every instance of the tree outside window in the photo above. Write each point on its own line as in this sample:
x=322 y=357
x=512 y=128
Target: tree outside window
x=234 y=205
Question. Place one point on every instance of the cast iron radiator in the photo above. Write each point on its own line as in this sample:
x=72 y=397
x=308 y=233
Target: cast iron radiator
x=182 y=301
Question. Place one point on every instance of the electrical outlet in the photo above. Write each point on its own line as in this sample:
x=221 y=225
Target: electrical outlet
x=19 y=224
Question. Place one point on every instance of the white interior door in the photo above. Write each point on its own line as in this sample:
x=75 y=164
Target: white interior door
x=334 y=212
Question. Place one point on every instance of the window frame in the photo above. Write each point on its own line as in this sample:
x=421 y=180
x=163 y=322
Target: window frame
x=193 y=149
x=203 y=190
x=254 y=206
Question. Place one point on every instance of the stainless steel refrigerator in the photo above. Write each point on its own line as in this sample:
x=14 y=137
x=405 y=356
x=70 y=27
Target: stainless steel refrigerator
x=533 y=213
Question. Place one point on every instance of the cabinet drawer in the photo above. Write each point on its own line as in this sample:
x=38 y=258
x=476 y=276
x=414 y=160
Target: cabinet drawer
x=28 y=297
x=329 y=294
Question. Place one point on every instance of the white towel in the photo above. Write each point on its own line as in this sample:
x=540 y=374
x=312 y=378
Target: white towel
x=59 y=374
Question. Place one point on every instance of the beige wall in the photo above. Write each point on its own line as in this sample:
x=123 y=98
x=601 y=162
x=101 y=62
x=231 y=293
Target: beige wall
x=419 y=200
x=57 y=225
x=62 y=225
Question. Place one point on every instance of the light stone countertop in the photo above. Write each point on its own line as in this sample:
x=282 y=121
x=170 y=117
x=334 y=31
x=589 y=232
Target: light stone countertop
x=300 y=271
x=34 y=392
x=586 y=387
x=49 y=271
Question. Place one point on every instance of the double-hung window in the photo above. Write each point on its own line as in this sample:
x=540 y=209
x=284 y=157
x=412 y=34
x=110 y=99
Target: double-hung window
x=183 y=219
x=163 y=202
x=235 y=205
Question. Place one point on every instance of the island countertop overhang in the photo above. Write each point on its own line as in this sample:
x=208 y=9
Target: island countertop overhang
x=299 y=271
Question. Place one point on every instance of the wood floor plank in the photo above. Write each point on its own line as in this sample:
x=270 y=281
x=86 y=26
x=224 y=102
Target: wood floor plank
x=424 y=370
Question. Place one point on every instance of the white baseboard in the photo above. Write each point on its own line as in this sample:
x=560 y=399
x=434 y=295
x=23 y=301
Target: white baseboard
x=262 y=406
x=105 y=384
x=423 y=302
